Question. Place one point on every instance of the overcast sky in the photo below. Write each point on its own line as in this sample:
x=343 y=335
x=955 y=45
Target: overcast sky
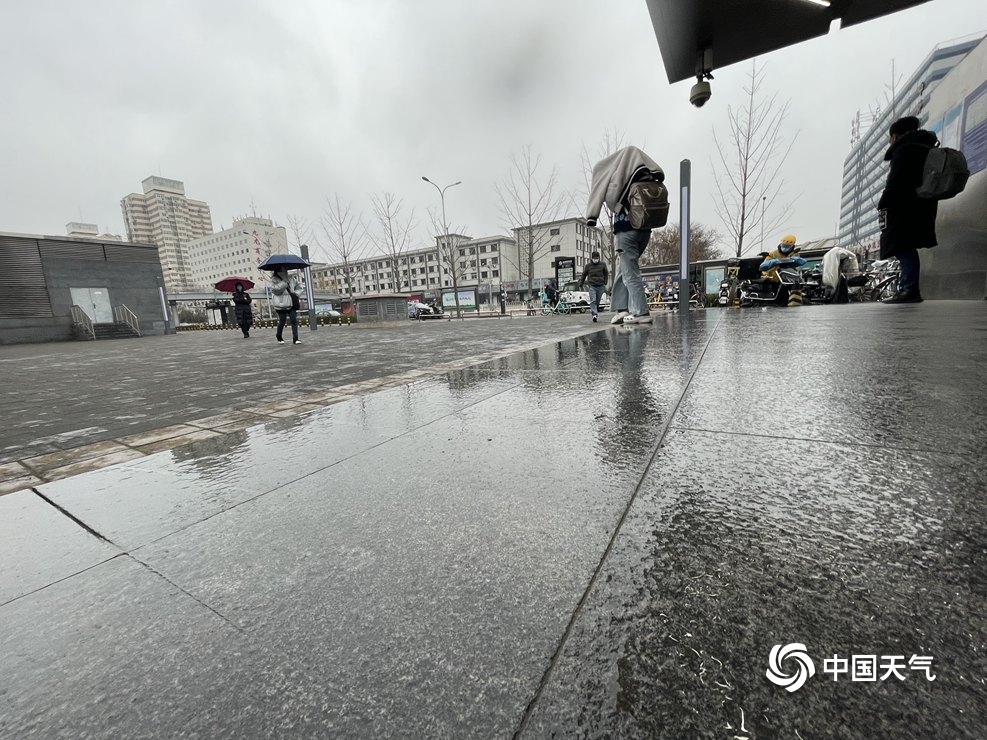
x=281 y=103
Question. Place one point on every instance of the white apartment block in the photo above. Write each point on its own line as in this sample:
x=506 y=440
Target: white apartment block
x=164 y=217
x=568 y=237
x=237 y=250
x=419 y=271
x=487 y=263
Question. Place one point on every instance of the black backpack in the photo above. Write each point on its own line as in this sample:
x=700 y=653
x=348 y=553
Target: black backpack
x=944 y=175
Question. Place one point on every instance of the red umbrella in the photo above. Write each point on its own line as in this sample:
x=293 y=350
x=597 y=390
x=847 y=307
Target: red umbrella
x=228 y=285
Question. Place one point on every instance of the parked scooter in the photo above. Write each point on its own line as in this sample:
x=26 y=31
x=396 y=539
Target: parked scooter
x=746 y=285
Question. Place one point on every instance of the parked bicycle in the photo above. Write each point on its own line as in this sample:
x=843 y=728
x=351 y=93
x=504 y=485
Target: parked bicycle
x=882 y=280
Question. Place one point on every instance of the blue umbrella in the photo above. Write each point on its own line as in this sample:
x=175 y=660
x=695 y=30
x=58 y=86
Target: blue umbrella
x=284 y=262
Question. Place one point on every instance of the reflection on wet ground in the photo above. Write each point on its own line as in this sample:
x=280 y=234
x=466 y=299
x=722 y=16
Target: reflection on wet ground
x=604 y=536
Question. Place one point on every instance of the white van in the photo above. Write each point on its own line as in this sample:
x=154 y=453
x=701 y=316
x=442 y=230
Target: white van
x=579 y=299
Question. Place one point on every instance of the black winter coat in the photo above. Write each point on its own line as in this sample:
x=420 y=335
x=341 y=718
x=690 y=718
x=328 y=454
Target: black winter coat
x=241 y=308
x=911 y=221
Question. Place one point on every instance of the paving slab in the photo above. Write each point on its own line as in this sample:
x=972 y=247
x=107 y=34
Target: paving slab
x=723 y=556
x=16 y=476
x=117 y=651
x=39 y=546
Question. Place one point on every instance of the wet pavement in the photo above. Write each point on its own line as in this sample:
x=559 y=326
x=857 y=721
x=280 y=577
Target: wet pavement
x=78 y=406
x=602 y=536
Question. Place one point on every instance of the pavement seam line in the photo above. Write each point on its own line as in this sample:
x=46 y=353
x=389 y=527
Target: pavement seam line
x=814 y=440
x=75 y=519
x=547 y=675
x=62 y=579
x=192 y=596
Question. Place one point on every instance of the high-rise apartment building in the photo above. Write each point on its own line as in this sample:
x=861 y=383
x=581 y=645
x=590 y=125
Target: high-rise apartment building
x=165 y=217
x=237 y=250
x=864 y=169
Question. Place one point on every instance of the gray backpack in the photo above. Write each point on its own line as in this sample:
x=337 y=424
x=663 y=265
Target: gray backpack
x=944 y=175
x=647 y=205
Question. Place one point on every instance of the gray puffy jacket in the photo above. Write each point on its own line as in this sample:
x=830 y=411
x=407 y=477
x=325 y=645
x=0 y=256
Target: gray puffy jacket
x=282 y=290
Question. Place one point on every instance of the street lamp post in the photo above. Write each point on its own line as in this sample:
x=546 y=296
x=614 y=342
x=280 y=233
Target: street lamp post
x=763 y=199
x=445 y=228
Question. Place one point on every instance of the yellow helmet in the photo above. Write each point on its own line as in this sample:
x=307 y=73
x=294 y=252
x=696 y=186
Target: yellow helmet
x=788 y=240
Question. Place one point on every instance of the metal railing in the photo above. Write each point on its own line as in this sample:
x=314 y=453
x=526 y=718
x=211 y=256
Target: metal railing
x=123 y=315
x=81 y=318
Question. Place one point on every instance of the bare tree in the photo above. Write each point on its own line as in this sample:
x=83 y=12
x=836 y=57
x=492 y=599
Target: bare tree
x=611 y=142
x=663 y=247
x=393 y=235
x=346 y=236
x=300 y=230
x=450 y=259
x=749 y=189
x=527 y=200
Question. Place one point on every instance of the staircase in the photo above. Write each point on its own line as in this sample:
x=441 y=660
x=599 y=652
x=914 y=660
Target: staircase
x=117 y=330
x=124 y=326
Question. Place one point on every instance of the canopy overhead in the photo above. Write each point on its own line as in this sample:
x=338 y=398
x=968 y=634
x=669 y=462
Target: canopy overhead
x=734 y=31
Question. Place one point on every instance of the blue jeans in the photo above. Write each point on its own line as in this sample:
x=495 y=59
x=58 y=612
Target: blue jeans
x=909 y=261
x=628 y=286
x=595 y=295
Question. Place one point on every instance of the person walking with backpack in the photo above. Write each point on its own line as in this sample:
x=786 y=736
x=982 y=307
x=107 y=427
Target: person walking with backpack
x=617 y=180
x=286 y=301
x=908 y=222
x=595 y=278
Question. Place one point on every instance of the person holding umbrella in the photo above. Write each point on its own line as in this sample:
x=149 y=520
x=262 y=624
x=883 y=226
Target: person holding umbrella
x=241 y=302
x=286 y=302
x=286 y=291
x=239 y=286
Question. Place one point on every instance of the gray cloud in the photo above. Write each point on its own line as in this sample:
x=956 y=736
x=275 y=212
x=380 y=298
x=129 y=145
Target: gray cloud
x=283 y=104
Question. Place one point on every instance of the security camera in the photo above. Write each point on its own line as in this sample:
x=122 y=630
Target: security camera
x=700 y=93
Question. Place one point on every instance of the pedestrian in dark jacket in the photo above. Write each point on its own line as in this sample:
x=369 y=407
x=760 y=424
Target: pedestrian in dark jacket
x=908 y=223
x=595 y=278
x=241 y=302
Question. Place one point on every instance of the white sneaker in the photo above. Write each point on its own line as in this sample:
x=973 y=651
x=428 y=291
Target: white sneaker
x=297 y=341
x=642 y=319
x=280 y=341
x=619 y=317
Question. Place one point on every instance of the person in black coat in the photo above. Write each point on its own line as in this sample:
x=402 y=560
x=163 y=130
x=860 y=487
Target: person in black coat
x=908 y=223
x=241 y=302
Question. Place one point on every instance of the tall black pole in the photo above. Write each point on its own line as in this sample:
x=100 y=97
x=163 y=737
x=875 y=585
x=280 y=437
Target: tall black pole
x=309 y=293
x=685 y=287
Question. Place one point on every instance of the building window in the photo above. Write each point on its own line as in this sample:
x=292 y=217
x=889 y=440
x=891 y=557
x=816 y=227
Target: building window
x=553 y=232
x=556 y=247
x=493 y=247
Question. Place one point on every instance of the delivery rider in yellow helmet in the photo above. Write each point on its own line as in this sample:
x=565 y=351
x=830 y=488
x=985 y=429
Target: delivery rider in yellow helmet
x=786 y=252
